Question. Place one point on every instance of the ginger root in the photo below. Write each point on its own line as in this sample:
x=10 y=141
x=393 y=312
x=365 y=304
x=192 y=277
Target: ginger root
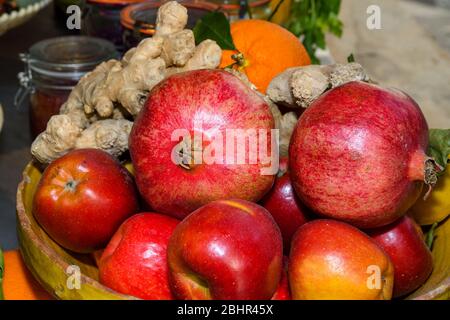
x=109 y=135
x=61 y=134
x=116 y=90
x=300 y=86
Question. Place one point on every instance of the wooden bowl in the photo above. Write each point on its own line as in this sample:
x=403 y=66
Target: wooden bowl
x=49 y=262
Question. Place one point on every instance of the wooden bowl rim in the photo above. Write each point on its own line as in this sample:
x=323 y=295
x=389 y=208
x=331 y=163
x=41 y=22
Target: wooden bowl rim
x=25 y=223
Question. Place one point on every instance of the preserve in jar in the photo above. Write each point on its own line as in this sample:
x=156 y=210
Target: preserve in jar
x=138 y=20
x=101 y=18
x=52 y=68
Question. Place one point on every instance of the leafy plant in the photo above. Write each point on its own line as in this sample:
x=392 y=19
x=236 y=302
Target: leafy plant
x=312 y=19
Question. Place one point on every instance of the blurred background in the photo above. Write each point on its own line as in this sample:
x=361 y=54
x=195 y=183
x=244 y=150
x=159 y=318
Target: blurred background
x=410 y=50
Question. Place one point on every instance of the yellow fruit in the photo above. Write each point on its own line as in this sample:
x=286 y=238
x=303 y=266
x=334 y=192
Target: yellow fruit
x=437 y=206
x=283 y=11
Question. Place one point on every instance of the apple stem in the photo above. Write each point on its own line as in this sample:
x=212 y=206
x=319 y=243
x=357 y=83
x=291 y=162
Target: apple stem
x=71 y=185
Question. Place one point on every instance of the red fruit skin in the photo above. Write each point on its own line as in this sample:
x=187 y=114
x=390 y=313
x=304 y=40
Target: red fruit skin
x=221 y=101
x=286 y=208
x=329 y=260
x=227 y=249
x=403 y=242
x=283 y=165
x=83 y=217
x=283 y=292
x=357 y=154
x=135 y=260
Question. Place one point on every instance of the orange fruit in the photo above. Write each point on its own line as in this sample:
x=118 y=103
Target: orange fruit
x=266 y=49
x=18 y=282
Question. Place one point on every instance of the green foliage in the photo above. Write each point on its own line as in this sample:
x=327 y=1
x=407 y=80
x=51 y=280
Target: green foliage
x=214 y=26
x=439 y=146
x=312 y=19
x=430 y=235
x=351 y=58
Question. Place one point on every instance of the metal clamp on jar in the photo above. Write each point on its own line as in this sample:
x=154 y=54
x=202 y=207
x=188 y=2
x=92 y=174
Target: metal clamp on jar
x=52 y=68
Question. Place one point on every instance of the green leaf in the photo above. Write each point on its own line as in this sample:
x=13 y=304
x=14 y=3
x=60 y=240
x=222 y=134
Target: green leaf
x=439 y=147
x=429 y=236
x=312 y=19
x=214 y=26
x=351 y=58
x=2 y=271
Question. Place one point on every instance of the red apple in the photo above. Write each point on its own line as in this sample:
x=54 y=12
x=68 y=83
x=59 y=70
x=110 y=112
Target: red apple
x=201 y=105
x=404 y=243
x=333 y=260
x=285 y=207
x=227 y=249
x=135 y=260
x=283 y=292
x=82 y=198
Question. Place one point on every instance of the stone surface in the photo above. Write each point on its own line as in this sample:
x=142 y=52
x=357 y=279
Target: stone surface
x=15 y=138
x=411 y=51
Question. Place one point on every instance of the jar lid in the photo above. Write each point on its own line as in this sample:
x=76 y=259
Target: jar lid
x=115 y=2
x=236 y=4
x=142 y=16
x=58 y=63
x=69 y=57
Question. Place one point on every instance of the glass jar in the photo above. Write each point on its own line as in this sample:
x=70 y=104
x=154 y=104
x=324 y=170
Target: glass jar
x=260 y=9
x=101 y=18
x=138 y=20
x=52 y=68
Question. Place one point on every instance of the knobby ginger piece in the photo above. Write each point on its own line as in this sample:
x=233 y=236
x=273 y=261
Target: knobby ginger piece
x=59 y=137
x=207 y=55
x=172 y=17
x=178 y=48
x=343 y=73
x=308 y=83
x=109 y=135
x=287 y=124
x=279 y=89
x=300 y=86
x=90 y=94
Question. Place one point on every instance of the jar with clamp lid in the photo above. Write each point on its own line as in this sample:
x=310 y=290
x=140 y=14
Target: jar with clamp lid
x=52 y=68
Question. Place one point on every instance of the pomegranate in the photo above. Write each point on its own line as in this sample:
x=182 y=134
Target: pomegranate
x=358 y=154
x=180 y=142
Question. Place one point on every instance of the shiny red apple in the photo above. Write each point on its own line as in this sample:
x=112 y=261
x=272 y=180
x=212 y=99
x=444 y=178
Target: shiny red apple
x=285 y=207
x=135 y=260
x=82 y=198
x=283 y=291
x=332 y=260
x=227 y=249
x=229 y=127
x=403 y=241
